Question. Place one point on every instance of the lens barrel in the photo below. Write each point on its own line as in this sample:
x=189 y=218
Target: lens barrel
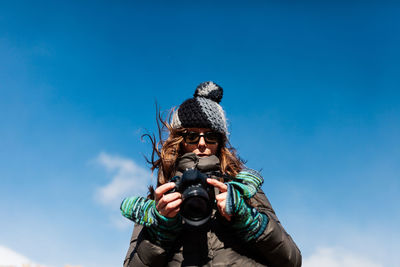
x=196 y=207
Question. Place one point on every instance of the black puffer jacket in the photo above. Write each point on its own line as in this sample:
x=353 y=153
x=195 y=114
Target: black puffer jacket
x=217 y=245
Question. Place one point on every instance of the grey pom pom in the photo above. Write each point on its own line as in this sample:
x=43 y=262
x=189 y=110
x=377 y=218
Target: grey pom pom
x=209 y=90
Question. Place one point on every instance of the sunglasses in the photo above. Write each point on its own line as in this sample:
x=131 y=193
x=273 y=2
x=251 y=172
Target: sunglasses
x=194 y=137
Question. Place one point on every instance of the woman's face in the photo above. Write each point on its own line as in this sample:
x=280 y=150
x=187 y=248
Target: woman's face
x=201 y=148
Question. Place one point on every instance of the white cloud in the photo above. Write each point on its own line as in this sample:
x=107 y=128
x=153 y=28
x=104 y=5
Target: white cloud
x=129 y=179
x=9 y=257
x=336 y=257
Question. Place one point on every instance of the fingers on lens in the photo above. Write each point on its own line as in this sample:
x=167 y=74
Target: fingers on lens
x=221 y=206
x=174 y=204
x=221 y=196
x=171 y=197
x=221 y=186
x=172 y=208
x=166 y=199
x=173 y=213
x=162 y=189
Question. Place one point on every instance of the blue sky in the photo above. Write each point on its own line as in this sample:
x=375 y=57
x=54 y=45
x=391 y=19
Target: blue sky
x=311 y=91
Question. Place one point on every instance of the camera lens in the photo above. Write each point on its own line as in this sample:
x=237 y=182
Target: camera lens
x=196 y=207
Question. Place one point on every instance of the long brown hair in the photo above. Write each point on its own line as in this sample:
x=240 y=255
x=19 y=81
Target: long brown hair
x=166 y=152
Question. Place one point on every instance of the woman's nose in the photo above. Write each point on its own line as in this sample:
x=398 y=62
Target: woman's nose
x=202 y=142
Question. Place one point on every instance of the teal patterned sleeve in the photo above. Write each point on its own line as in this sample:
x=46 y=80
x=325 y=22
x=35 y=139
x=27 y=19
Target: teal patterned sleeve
x=246 y=220
x=162 y=230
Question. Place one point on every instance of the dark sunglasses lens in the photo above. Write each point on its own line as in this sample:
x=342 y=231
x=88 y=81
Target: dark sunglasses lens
x=192 y=137
x=212 y=137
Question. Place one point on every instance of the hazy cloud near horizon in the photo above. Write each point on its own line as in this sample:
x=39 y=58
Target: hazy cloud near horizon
x=336 y=257
x=128 y=179
x=9 y=257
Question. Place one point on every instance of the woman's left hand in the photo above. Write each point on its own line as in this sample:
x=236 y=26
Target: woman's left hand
x=221 y=197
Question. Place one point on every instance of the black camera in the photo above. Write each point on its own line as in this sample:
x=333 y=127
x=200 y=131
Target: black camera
x=198 y=196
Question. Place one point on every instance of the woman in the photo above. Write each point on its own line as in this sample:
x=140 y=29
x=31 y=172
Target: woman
x=241 y=229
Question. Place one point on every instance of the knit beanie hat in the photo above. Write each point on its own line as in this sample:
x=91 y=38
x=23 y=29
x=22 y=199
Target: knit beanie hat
x=203 y=110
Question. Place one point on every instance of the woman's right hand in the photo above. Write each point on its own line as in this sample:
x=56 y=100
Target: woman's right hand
x=167 y=205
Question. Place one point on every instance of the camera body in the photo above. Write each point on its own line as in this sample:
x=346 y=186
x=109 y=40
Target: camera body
x=198 y=196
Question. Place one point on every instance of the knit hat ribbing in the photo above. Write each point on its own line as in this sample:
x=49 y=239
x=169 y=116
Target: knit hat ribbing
x=203 y=110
